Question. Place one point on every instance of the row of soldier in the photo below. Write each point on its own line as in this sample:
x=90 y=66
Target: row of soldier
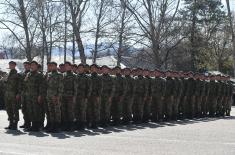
x=75 y=97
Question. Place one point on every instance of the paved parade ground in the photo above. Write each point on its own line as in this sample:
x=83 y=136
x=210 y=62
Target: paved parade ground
x=210 y=136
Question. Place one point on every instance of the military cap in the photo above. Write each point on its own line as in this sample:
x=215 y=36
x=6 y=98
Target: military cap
x=34 y=62
x=54 y=63
x=139 y=69
x=26 y=63
x=74 y=65
x=104 y=66
x=81 y=65
x=94 y=65
x=48 y=63
x=60 y=64
x=117 y=67
x=68 y=63
x=12 y=62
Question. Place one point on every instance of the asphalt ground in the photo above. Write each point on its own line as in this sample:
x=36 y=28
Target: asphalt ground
x=206 y=136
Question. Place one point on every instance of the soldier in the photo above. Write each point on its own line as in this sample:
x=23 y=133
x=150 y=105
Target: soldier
x=128 y=98
x=158 y=90
x=12 y=96
x=67 y=98
x=183 y=79
x=34 y=90
x=177 y=94
x=221 y=93
x=139 y=99
x=26 y=118
x=54 y=85
x=205 y=95
x=107 y=93
x=212 y=98
x=61 y=68
x=190 y=96
x=81 y=91
x=94 y=98
x=198 y=94
x=45 y=104
x=169 y=95
x=229 y=97
x=117 y=101
x=148 y=96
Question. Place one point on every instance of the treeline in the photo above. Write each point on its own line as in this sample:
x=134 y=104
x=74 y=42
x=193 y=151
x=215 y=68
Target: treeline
x=184 y=35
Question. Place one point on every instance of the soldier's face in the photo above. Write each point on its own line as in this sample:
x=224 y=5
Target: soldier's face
x=157 y=74
x=127 y=72
x=53 y=67
x=26 y=66
x=49 y=68
x=68 y=67
x=62 y=68
x=81 y=69
x=105 y=70
x=93 y=69
x=34 y=67
x=118 y=71
x=12 y=66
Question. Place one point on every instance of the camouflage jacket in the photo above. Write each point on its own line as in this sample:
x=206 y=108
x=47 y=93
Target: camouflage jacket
x=12 y=84
x=108 y=87
x=95 y=85
x=54 y=84
x=82 y=85
x=119 y=85
x=140 y=87
x=148 y=83
x=69 y=84
x=190 y=87
x=34 y=85
x=130 y=86
x=170 y=87
x=158 y=87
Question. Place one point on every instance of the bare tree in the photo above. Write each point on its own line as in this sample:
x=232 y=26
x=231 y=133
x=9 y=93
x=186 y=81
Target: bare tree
x=77 y=10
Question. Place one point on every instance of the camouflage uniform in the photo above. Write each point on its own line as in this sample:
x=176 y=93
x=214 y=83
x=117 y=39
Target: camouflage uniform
x=117 y=101
x=190 y=98
x=128 y=99
x=205 y=95
x=107 y=93
x=82 y=88
x=12 y=87
x=169 y=97
x=200 y=91
x=182 y=102
x=93 y=111
x=221 y=94
x=139 y=99
x=148 y=99
x=67 y=99
x=33 y=89
x=54 y=85
x=23 y=99
x=229 y=98
x=177 y=96
x=158 y=89
x=212 y=99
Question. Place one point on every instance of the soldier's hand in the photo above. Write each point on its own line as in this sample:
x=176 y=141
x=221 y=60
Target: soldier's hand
x=17 y=98
x=39 y=99
x=110 y=100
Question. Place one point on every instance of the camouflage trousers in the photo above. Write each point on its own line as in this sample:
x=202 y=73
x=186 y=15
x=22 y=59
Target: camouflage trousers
x=54 y=110
x=34 y=108
x=189 y=106
x=212 y=104
x=12 y=107
x=157 y=108
x=138 y=107
x=105 y=109
x=168 y=107
x=175 y=107
x=67 y=109
x=198 y=106
x=147 y=108
x=228 y=105
x=204 y=106
x=93 y=109
x=219 y=107
x=45 y=112
x=80 y=109
x=116 y=108
x=24 y=110
x=127 y=108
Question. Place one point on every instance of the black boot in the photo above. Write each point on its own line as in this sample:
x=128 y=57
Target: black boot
x=14 y=126
x=9 y=126
x=23 y=126
x=47 y=126
x=81 y=126
x=94 y=125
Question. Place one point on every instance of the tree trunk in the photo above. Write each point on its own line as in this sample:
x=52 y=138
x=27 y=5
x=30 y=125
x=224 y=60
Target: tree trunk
x=232 y=32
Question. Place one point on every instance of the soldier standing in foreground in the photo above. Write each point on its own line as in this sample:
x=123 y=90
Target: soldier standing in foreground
x=81 y=92
x=67 y=98
x=12 y=96
x=148 y=96
x=54 y=85
x=34 y=96
x=94 y=98
x=107 y=93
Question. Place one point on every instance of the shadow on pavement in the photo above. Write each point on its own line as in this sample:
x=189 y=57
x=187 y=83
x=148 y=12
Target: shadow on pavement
x=118 y=129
